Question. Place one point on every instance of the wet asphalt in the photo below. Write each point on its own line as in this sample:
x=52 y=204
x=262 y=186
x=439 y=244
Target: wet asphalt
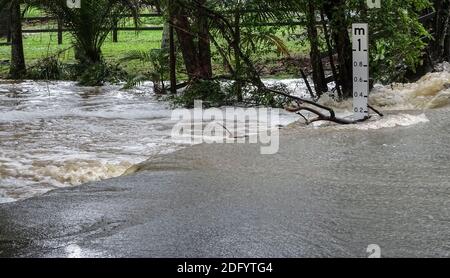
x=326 y=193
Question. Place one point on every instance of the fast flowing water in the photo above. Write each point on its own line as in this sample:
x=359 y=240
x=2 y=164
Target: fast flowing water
x=56 y=134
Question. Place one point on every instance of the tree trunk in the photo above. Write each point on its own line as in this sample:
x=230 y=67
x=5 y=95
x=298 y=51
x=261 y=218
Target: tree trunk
x=446 y=45
x=446 y=31
x=90 y=55
x=172 y=51
x=335 y=11
x=187 y=45
x=345 y=62
x=204 y=44
x=4 y=18
x=320 y=83
x=194 y=41
x=447 y=48
x=441 y=29
x=331 y=54
x=17 y=67
x=165 y=42
x=237 y=57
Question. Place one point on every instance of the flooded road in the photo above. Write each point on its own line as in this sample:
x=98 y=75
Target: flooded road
x=330 y=191
x=326 y=193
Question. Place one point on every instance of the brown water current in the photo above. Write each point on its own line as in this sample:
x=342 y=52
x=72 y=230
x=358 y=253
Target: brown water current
x=57 y=134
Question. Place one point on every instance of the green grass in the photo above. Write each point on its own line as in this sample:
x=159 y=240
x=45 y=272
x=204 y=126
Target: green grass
x=42 y=45
x=39 y=46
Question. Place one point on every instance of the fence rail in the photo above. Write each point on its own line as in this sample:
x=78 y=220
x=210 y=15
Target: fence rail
x=47 y=18
x=59 y=28
x=55 y=30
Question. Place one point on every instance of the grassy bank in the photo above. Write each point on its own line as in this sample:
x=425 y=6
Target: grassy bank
x=38 y=46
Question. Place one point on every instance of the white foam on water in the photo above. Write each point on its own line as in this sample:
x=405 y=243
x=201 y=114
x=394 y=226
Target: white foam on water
x=388 y=121
x=7 y=200
x=430 y=92
x=57 y=134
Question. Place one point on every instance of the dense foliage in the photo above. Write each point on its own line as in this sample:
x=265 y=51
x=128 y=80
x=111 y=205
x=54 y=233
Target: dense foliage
x=237 y=33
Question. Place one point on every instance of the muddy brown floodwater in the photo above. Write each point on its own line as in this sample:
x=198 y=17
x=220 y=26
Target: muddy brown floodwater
x=331 y=191
x=57 y=134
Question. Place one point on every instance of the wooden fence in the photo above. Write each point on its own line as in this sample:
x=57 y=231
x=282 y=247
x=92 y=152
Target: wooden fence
x=59 y=28
x=115 y=31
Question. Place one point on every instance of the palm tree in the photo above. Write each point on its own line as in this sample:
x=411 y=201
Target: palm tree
x=89 y=26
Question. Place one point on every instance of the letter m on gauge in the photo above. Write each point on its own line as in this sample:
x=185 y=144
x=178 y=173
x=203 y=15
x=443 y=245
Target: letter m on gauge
x=360 y=34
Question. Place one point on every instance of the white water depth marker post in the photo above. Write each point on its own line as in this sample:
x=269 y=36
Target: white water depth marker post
x=360 y=34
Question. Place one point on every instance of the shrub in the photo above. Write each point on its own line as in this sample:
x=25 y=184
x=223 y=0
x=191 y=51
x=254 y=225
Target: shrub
x=99 y=73
x=210 y=92
x=49 y=68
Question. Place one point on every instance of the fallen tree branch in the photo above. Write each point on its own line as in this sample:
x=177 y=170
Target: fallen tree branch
x=302 y=100
x=303 y=116
x=178 y=87
x=376 y=111
x=305 y=78
x=320 y=116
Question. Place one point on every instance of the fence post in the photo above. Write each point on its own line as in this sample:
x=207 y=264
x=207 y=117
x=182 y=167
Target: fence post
x=60 y=31
x=8 y=34
x=115 y=32
x=8 y=29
